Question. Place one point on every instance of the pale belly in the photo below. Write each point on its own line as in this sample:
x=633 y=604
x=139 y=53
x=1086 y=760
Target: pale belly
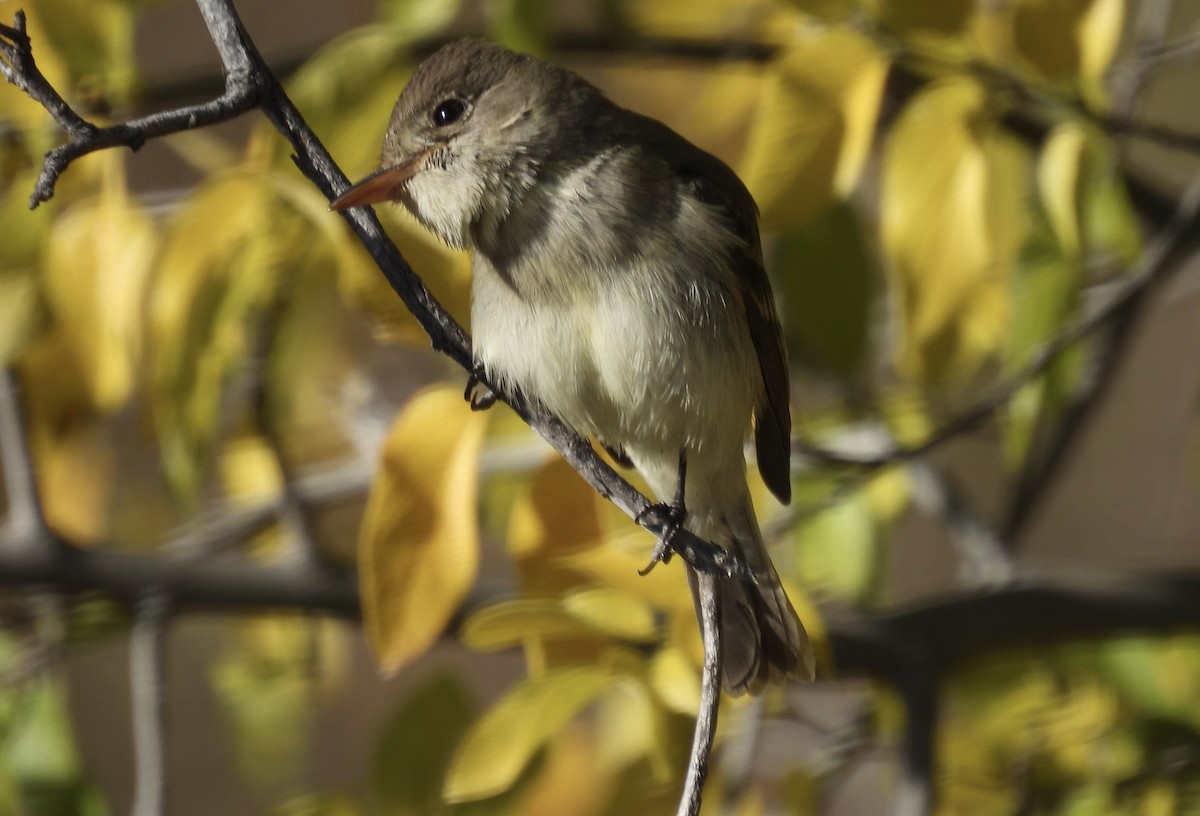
x=650 y=381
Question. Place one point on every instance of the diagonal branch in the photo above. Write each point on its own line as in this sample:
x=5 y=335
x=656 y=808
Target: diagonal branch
x=250 y=83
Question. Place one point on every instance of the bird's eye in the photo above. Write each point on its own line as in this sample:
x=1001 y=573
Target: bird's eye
x=448 y=112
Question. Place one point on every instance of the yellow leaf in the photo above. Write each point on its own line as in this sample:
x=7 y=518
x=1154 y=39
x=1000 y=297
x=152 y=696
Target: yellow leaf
x=1099 y=33
x=953 y=218
x=614 y=612
x=616 y=565
x=510 y=623
x=419 y=548
x=557 y=517
x=675 y=680
x=814 y=124
x=217 y=268
x=19 y=313
x=499 y=747
x=97 y=266
x=630 y=727
x=1058 y=178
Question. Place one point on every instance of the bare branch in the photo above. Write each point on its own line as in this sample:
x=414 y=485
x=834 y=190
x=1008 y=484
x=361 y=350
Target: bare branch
x=19 y=68
x=147 y=679
x=708 y=594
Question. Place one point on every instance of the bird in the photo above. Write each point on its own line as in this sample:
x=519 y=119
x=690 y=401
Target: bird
x=617 y=284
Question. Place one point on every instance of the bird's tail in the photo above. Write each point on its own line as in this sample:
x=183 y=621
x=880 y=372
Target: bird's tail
x=762 y=636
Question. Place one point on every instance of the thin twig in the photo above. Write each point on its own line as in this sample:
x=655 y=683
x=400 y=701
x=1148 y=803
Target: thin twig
x=147 y=680
x=708 y=595
x=1158 y=263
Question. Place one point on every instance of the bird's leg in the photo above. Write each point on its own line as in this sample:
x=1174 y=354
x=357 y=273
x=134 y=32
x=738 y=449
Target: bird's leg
x=672 y=517
x=479 y=395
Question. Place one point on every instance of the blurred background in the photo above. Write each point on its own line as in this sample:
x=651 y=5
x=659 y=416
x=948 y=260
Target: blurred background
x=219 y=430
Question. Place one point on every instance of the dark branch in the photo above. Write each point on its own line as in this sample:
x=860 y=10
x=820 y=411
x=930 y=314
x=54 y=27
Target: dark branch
x=83 y=137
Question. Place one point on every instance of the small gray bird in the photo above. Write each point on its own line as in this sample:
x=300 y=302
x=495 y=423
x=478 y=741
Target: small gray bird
x=618 y=283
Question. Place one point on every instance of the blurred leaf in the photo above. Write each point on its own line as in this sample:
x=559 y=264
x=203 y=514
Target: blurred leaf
x=824 y=281
x=1046 y=296
x=921 y=17
x=814 y=125
x=216 y=272
x=522 y=25
x=1099 y=34
x=510 y=623
x=570 y=781
x=501 y=744
x=557 y=516
x=1060 y=185
x=92 y=615
x=416 y=744
x=714 y=19
x=1067 y=39
x=315 y=804
x=837 y=550
x=95 y=40
x=419 y=19
x=631 y=727
x=96 y=273
x=20 y=313
x=347 y=90
x=40 y=746
x=614 y=612
x=419 y=548
x=267 y=680
x=954 y=215
x=801 y=790
x=675 y=680
x=1161 y=676
x=249 y=469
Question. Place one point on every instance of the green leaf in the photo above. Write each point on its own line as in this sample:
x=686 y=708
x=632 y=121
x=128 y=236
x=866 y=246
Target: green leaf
x=416 y=745
x=522 y=25
x=837 y=549
x=419 y=19
x=500 y=746
x=41 y=747
x=824 y=282
x=266 y=681
x=95 y=39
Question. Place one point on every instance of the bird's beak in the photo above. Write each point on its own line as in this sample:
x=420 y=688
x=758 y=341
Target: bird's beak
x=382 y=185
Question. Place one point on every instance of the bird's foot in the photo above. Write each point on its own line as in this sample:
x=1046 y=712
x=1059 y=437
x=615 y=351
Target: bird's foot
x=479 y=395
x=669 y=518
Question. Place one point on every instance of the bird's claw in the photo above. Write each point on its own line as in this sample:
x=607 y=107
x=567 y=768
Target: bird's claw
x=670 y=518
x=476 y=393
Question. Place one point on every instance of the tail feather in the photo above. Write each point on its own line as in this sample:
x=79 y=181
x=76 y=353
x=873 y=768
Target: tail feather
x=763 y=638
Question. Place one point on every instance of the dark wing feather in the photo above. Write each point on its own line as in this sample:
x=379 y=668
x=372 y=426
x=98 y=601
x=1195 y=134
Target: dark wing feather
x=772 y=417
x=714 y=183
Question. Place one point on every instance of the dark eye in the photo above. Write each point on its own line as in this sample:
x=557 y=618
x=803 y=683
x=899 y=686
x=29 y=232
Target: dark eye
x=448 y=112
